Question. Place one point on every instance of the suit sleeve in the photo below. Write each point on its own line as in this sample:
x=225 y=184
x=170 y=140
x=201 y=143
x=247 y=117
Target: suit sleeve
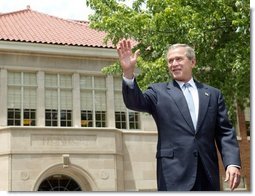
x=135 y=99
x=226 y=136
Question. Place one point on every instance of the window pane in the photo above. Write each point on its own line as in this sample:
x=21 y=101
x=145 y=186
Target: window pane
x=248 y=128
x=10 y=114
x=65 y=81
x=86 y=100
x=51 y=117
x=100 y=118
x=29 y=79
x=59 y=182
x=86 y=82
x=100 y=100
x=51 y=80
x=100 y=82
x=14 y=78
x=51 y=99
x=66 y=100
x=13 y=117
x=120 y=120
x=133 y=120
x=17 y=122
x=247 y=113
x=66 y=118
x=118 y=101
x=26 y=114
x=17 y=114
x=86 y=118
x=29 y=117
x=14 y=97
x=29 y=98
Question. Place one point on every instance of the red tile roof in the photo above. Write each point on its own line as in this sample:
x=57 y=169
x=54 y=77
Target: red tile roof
x=31 y=26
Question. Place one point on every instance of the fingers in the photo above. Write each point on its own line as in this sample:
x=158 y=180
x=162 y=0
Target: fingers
x=137 y=53
x=119 y=49
x=119 y=52
x=236 y=182
x=124 y=49
x=233 y=182
x=124 y=46
x=233 y=178
x=227 y=176
x=128 y=44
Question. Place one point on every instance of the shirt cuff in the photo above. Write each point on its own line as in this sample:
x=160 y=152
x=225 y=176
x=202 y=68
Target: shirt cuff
x=130 y=82
x=237 y=166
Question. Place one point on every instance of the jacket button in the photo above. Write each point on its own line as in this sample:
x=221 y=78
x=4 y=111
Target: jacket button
x=195 y=154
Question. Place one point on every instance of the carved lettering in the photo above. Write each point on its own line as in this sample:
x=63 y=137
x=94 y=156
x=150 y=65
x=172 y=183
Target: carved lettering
x=62 y=140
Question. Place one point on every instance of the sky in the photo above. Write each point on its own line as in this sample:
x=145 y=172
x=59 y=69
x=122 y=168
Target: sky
x=67 y=9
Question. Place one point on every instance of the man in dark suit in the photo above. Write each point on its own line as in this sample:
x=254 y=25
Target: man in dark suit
x=189 y=126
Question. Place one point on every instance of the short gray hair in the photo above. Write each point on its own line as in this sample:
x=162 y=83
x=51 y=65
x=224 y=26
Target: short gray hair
x=190 y=52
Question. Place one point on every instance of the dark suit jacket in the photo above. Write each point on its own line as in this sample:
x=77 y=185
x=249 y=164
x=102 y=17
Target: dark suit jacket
x=178 y=142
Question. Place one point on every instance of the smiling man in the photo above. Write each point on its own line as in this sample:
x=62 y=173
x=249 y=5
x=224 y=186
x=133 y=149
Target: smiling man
x=191 y=119
x=181 y=60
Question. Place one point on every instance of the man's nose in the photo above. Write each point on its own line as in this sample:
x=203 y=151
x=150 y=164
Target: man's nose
x=175 y=62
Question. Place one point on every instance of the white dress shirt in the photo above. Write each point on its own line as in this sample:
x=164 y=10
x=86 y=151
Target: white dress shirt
x=194 y=94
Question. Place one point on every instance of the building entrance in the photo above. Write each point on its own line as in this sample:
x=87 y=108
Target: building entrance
x=59 y=182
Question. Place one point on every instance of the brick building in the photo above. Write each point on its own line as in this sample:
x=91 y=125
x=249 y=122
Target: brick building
x=63 y=124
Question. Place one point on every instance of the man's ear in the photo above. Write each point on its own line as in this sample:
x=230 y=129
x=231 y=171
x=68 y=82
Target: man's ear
x=193 y=63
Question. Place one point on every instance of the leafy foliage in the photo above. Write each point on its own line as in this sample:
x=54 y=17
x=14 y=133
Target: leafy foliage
x=219 y=30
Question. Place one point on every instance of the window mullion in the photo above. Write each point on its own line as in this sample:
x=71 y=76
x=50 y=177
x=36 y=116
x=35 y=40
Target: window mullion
x=93 y=102
x=22 y=100
x=58 y=89
x=127 y=119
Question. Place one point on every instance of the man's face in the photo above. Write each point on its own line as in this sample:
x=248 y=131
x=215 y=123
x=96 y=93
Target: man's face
x=179 y=65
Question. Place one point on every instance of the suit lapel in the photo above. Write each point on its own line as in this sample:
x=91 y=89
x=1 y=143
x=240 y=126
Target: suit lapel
x=204 y=98
x=176 y=93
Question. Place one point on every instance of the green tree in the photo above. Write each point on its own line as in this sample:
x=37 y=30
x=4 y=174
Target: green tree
x=219 y=30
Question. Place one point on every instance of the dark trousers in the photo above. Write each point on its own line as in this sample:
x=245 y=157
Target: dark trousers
x=202 y=183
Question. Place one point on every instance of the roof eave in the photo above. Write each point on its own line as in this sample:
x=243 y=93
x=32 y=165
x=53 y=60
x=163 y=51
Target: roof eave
x=53 y=49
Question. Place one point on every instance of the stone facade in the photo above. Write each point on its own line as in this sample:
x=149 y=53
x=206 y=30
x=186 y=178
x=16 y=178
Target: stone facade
x=94 y=158
x=97 y=159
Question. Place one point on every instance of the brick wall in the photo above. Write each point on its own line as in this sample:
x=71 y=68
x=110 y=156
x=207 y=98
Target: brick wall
x=244 y=144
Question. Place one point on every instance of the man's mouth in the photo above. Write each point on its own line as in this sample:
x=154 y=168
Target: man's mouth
x=176 y=70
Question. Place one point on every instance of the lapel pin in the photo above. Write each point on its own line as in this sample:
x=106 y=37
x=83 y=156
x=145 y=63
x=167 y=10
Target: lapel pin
x=206 y=94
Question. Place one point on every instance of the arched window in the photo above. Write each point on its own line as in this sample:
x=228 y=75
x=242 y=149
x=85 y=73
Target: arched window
x=59 y=182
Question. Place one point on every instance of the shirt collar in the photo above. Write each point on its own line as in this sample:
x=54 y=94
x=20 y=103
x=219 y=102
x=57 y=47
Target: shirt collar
x=191 y=82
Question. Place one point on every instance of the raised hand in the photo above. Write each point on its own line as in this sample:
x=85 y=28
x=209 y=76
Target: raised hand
x=127 y=58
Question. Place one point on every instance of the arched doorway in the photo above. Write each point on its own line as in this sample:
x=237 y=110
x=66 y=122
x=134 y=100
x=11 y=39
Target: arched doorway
x=57 y=178
x=59 y=182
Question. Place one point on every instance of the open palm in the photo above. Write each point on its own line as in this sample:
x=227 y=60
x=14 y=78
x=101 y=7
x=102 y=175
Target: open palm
x=127 y=58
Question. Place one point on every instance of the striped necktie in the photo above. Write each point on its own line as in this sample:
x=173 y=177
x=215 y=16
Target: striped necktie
x=186 y=91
